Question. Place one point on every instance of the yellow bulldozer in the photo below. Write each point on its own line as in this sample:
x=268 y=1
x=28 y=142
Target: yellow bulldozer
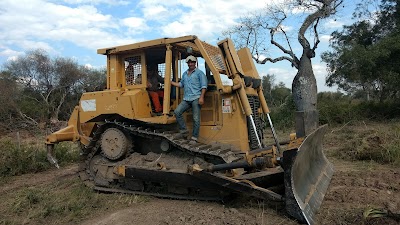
x=128 y=148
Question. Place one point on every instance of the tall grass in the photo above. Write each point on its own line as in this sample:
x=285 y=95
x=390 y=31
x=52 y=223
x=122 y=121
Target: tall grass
x=392 y=144
x=30 y=157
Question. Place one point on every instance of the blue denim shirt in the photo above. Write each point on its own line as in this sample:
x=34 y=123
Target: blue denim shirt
x=193 y=84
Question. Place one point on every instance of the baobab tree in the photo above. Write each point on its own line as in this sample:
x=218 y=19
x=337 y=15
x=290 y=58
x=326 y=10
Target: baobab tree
x=258 y=30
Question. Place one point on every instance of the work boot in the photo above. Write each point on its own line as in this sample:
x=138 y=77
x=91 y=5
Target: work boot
x=193 y=141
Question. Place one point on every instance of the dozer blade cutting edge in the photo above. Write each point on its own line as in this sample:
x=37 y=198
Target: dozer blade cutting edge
x=307 y=176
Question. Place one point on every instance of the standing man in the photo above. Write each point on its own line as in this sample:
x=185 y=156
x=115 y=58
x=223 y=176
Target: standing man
x=194 y=83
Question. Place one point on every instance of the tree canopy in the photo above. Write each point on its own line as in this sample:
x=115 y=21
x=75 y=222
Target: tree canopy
x=366 y=54
x=40 y=89
x=260 y=28
x=275 y=94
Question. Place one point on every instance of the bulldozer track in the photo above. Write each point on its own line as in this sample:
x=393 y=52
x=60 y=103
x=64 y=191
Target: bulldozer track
x=158 y=195
x=217 y=152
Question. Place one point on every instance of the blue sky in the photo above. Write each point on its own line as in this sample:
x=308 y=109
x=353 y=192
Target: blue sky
x=77 y=28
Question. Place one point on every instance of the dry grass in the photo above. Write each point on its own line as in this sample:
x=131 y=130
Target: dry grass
x=361 y=141
x=64 y=202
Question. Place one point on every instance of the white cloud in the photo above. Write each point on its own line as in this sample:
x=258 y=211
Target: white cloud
x=29 y=45
x=43 y=24
x=284 y=75
x=333 y=24
x=155 y=12
x=320 y=73
x=95 y=2
x=325 y=38
x=13 y=58
x=176 y=29
x=319 y=70
x=85 y=25
x=59 y=26
x=9 y=52
x=287 y=28
x=135 y=25
x=203 y=18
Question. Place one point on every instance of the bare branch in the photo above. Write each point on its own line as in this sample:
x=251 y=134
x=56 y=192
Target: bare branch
x=28 y=119
x=291 y=53
x=60 y=103
x=293 y=59
x=328 y=7
x=294 y=63
x=316 y=35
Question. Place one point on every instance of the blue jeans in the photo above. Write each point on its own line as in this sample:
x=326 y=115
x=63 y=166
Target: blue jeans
x=183 y=107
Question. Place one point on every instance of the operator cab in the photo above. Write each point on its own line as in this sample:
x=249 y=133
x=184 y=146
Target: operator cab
x=136 y=72
x=127 y=73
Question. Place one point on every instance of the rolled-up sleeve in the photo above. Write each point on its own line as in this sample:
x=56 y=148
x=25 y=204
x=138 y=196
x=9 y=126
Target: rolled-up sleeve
x=203 y=80
x=182 y=81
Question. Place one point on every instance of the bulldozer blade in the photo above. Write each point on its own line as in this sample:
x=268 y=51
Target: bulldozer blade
x=307 y=174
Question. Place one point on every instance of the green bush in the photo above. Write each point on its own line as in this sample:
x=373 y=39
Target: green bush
x=379 y=111
x=17 y=159
x=283 y=116
x=337 y=108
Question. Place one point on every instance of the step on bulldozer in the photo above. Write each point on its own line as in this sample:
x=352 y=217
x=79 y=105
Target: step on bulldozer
x=128 y=148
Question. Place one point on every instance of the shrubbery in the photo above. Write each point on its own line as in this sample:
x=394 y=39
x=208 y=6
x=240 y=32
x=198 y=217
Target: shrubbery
x=335 y=108
x=379 y=144
x=17 y=159
x=283 y=116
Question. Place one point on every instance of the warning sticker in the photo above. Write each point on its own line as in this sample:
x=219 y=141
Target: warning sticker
x=226 y=105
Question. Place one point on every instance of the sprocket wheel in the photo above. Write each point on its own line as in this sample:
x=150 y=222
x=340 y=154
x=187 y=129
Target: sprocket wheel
x=114 y=143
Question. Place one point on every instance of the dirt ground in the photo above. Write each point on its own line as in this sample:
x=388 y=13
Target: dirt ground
x=161 y=211
x=355 y=188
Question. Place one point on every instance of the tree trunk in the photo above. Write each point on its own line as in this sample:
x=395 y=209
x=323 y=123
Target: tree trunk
x=304 y=86
x=304 y=91
x=55 y=115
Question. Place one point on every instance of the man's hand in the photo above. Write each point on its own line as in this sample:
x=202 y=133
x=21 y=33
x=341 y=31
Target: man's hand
x=201 y=100
x=176 y=84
